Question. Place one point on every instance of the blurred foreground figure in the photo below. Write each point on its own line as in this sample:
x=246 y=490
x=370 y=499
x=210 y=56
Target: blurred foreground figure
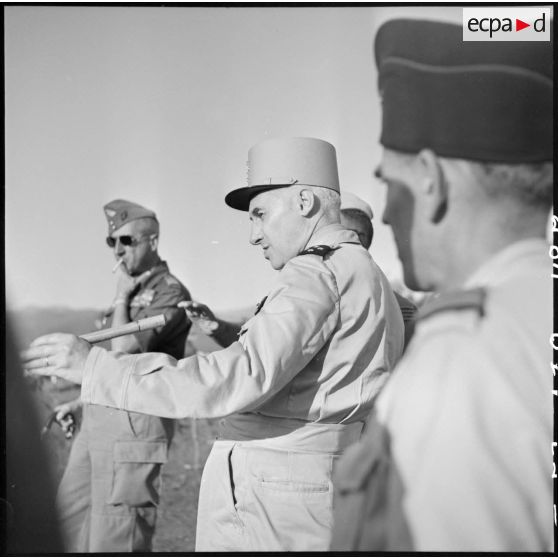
x=29 y=514
x=458 y=454
x=357 y=215
x=109 y=493
x=298 y=383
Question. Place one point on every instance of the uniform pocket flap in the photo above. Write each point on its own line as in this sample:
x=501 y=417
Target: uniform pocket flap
x=140 y=452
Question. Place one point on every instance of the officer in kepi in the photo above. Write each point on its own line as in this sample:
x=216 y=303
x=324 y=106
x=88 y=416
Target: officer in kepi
x=109 y=493
x=298 y=383
x=457 y=455
x=356 y=215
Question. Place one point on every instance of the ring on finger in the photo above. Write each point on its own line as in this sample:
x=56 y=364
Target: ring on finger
x=46 y=362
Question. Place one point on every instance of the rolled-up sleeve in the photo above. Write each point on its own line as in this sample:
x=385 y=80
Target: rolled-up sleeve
x=296 y=321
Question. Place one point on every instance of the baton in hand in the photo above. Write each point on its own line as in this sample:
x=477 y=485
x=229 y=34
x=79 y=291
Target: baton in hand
x=133 y=327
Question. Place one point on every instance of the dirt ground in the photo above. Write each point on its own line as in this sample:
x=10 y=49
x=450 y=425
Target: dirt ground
x=176 y=523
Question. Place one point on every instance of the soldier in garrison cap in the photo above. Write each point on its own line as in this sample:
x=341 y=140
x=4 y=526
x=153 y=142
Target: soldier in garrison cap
x=297 y=384
x=457 y=453
x=109 y=493
x=357 y=215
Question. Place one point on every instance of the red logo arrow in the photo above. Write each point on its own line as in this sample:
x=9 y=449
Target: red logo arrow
x=519 y=25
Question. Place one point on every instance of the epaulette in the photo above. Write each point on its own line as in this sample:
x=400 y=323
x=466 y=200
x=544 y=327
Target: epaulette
x=472 y=299
x=319 y=250
x=260 y=304
x=170 y=280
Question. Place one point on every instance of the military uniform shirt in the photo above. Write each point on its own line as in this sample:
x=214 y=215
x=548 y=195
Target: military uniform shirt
x=318 y=350
x=458 y=456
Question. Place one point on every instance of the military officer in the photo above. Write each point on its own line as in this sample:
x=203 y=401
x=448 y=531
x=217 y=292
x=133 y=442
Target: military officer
x=457 y=456
x=297 y=384
x=357 y=215
x=109 y=493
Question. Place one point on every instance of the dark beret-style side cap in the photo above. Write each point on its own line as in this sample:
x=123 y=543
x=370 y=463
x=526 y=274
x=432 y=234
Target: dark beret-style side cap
x=484 y=101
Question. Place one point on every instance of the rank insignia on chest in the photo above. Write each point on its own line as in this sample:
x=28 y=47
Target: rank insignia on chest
x=145 y=298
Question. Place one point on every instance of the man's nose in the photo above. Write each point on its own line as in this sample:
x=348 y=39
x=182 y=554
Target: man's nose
x=255 y=234
x=384 y=218
x=386 y=215
x=119 y=248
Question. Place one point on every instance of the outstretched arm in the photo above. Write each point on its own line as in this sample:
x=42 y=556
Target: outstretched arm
x=275 y=345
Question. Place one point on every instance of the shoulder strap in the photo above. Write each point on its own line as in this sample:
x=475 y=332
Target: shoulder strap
x=458 y=300
x=260 y=304
x=319 y=250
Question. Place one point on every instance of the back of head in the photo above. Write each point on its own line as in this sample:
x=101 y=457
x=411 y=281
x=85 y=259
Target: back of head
x=356 y=215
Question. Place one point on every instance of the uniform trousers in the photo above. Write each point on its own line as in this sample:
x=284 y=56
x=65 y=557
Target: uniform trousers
x=108 y=496
x=270 y=495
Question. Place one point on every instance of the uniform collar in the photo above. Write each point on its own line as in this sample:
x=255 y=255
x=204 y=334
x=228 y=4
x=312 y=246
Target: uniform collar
x=513 y=258
x=156 y=271
x=332 y=235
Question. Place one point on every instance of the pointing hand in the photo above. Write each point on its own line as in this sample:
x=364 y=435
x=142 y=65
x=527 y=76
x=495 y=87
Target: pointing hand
x=201 y=315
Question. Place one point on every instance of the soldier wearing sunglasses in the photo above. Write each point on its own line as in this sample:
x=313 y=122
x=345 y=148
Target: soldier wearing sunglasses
x=109 y=493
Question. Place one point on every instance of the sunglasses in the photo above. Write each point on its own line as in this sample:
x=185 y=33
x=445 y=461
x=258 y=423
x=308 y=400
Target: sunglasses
x=127 y=240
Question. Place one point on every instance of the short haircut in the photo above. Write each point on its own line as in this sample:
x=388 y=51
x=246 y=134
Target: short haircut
x=364 y=223
x=530 y=185
x=330 y=200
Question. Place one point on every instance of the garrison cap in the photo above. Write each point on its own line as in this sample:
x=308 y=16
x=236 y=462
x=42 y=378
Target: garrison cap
x=281 y=162
x=120 y=212
x=352 y=201
x=481 y=101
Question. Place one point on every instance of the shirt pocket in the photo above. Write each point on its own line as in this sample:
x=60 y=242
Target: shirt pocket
x=136 y=479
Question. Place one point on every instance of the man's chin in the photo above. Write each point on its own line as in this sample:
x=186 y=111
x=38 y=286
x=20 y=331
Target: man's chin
x=275 y=265
x=410 y=279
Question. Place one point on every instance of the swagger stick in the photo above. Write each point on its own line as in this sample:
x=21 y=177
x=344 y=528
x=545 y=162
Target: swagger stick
x=132 y=327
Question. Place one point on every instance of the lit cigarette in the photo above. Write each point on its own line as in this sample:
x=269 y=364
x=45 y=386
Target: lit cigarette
x=117 y=264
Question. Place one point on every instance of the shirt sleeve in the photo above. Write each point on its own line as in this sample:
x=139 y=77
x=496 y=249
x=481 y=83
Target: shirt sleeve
x=297 y=319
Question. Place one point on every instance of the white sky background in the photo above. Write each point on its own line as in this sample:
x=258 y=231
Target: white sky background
x=160 y=106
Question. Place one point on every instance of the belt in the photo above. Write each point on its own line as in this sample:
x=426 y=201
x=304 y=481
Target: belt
x=289 y=434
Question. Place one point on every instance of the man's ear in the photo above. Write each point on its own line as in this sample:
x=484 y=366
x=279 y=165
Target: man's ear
x=307 y=202
x=154 y=242
x=433 y=186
